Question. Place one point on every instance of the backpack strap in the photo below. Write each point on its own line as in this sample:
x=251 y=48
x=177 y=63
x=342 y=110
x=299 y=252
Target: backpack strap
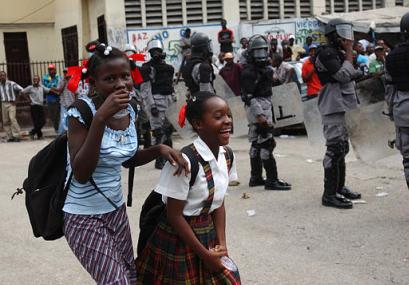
x=229 y=157
x=190 y=152
x=85 y=111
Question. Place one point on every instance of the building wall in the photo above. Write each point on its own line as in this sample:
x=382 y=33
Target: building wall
x=41 y=40
x=21 y=11
x=39 y=26
x=96 y=8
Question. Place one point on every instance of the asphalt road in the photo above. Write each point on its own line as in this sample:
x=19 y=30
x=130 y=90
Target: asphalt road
x=291 y=239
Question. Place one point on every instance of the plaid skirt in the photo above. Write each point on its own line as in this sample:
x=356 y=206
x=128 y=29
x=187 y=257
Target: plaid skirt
x=166 y=259
x=103 y=245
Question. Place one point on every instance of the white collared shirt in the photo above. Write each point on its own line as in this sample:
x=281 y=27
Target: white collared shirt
x=177 y=187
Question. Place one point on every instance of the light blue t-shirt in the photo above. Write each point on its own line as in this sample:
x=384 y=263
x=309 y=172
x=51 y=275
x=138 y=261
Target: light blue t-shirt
x=117 y=146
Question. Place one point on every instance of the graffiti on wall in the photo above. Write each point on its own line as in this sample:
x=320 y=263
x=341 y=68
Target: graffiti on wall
x=280 y=31
x=309 y=27
x=300 y=28
x=170 y=38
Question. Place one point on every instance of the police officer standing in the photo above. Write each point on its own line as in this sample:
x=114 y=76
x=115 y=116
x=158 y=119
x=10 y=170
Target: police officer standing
x=337 y=96
x=397 y=92
x=158 y=93
x=256 y=86
x=198 y=72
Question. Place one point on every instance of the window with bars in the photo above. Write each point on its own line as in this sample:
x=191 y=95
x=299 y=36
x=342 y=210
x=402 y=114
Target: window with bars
x=174 y=12
x=154 y=13
x=328 y=6
x=289 y=9
x=243 y=10
x=353 y=5
x=367 y=4
x=399 y=2
x=273 y=7
x=257 y=9
x=379 y=4
x=339 y=6
x=133 y=13
x=214 y=10
x=305 y=8
x=194 y=11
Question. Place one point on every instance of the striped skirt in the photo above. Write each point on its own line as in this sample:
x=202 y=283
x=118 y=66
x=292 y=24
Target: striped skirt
x=103 y=245
x=166 y=259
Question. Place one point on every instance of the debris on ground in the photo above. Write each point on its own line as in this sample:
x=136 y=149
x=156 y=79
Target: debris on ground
x=382 y=194
x=360 y=201
x=245 y=196
x=251 y=213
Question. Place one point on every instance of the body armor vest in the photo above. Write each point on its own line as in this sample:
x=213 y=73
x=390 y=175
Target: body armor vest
x=327 y=62
x=163 y=81
x=397 y=64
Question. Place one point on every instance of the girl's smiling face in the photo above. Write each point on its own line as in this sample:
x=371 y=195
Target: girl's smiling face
x=112 y=75
x=215 y=125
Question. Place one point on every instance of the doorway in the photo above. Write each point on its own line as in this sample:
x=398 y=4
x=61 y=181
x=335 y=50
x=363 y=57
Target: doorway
x=70 y=45
x=102 y=30
x=18 y=60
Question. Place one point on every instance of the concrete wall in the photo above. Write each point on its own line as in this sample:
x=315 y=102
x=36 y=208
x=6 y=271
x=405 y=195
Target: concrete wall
x=41 y=40
x=16 y=11
x=67 y=14
x=96 y=8
x=116 y=23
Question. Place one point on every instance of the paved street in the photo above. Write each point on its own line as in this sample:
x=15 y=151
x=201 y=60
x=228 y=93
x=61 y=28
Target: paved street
x=291 y=239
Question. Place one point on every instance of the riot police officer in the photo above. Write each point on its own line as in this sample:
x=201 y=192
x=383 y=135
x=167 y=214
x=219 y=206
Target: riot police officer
x=158 y=93
x=198 y=72
x=337 y=96
x=397 y=91
x=256 y=86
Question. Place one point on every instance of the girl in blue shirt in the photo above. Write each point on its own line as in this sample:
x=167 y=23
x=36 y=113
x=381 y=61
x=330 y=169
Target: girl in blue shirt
x=96 y=224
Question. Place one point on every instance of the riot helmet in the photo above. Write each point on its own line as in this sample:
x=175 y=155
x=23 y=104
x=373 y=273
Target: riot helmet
x=155 y=48
x=404 y=23
x=201 y=45
x=129 y=49
x=258 y=49
x=337 y=29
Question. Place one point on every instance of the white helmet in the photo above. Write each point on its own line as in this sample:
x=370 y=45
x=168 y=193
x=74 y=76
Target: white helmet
x=154 y=43
x=130 y=48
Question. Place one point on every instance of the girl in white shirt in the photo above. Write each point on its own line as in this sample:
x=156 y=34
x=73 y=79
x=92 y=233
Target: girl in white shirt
x=189 y=243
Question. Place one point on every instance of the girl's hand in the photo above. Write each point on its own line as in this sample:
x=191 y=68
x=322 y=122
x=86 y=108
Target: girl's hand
x=212 y=260
x=175 y=158
x=115 y=102
x=221 y=248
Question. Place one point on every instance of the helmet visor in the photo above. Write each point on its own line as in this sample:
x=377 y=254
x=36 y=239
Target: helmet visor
x=260 y=54
x=345 y=31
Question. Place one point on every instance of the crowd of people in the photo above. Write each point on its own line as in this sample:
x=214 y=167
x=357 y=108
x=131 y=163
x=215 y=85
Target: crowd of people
x=50 y=90
x=188 y=242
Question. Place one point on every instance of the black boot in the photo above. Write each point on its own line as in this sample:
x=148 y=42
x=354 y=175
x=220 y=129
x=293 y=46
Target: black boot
x=272 y=182
x=256 y=178
x=342 y=189
x=330 y=198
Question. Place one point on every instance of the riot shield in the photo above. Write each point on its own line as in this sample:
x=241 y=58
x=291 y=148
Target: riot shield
x=287 y=105
x=368 y=128
x=313 y=123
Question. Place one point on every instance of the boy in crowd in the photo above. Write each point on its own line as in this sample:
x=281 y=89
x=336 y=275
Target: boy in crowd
x=35 y=94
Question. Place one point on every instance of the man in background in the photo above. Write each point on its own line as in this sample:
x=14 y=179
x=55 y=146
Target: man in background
x=51 y=80
x=9 y=90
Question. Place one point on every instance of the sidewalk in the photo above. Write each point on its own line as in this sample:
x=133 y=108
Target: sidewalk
x=48 y=132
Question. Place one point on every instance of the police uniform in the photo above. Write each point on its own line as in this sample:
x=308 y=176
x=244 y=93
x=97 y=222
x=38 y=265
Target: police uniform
x=336 y=97
x=256 y=85
x=157 y=93
x=397 y=97
x=198 y=75
x=198 y=72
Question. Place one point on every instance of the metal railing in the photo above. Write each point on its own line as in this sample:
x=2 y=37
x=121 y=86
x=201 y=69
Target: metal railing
x=23 y=72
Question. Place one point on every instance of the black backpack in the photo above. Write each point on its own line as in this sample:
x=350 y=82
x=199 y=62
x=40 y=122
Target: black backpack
x=45 y=184
x=153 y=207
